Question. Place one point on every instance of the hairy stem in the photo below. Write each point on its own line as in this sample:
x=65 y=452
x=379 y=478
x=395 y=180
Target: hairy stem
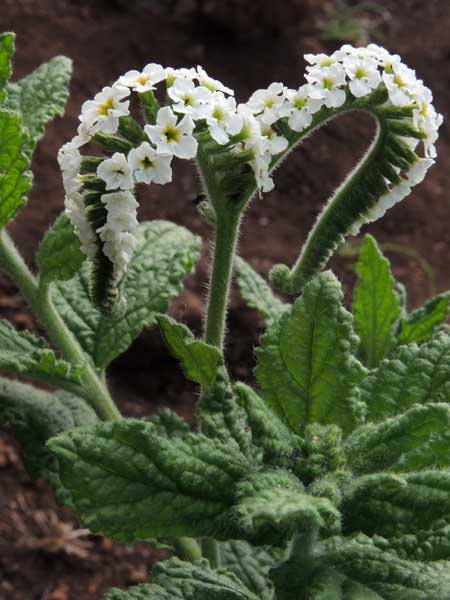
x=227 y=231
x=210 y=550
x=41 y=304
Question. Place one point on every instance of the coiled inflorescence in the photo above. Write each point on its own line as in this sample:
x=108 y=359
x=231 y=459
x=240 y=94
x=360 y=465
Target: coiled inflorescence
x=99 y=191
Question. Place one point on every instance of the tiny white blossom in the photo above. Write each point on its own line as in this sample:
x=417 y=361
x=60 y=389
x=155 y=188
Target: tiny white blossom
x=417 y=172
x=326 y=84
x=363 y=74
x=258 y=144
x=214 y=85
x=299 y=107
x=103 y=112
x=319 y=60
x=222 y=118
x=74 y=208
x=171 y=137
x=266 y=103
x=149 y=166
x=69 y=159
x=116 y=172
x=118 y=233
x=145 y=80
x=276 y=143
x=182 y=73
x=187 y=97
x=400 y=81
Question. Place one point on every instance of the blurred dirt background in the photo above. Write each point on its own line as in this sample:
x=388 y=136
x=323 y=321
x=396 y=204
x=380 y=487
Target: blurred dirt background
x=43 y=553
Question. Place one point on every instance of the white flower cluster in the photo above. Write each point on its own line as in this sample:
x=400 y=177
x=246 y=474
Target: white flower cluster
x=194 y=96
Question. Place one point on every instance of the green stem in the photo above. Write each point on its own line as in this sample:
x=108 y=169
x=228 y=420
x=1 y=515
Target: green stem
x=41 y=304
x=227 y=230
x=210 y=550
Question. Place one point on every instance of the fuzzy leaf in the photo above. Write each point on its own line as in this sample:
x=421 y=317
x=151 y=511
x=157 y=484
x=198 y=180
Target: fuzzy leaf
x=15 y=176
x=256 y=291
x=268 y=432
x=393 y=504
x=40 y=97
x=169 y=424
x=376 y=305
x=423 y=323
x=424 y=544
x=35 y=416
x=6 y=53
x=417 y=439
x=166 y=252
x=130 y=483
x=306 y=366
x=222 y=417
x=59 y=255
x=24 y=354
x=251 y=565
x=383 y=571
x=175 y=579
x=273 y=505
x=199 y=360
x=329 y=584
x=413 y=375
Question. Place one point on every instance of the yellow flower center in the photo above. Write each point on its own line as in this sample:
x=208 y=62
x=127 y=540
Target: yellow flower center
x=399 y=81
x=328 y=83
x=360 y=73
x=300 y=103
x=103 y=109
x=270 y=102
x=146 y=163
x=218 y=114
x=171 y=134
x=143 y=79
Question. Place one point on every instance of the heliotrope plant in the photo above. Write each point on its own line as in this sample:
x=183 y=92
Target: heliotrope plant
x=331 y=479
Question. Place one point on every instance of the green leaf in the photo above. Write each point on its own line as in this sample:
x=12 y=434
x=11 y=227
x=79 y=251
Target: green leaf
x=413 y=375
x=251 y=565
x=165 y=253
x=59 y=256
x=376 y=305
x=35 y=416
x=329 y=584
x=169 y=424
x=6 y=53
x=424 y=544
x=383 y=571
x=40 y=97
x=222 y=417
x=199 y=360
x=417 y=439
x=256 y=291
x=24 y=354
x=393 y=504
x=306 y=366
x=424 y=322
x=15 y=176
x=273 y=505
x=131 y=483
x=175 y=579
x=268 y=432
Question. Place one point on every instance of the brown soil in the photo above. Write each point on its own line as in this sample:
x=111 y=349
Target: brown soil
x=246 y=46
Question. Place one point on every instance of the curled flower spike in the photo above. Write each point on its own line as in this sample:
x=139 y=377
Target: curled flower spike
x=237 y=148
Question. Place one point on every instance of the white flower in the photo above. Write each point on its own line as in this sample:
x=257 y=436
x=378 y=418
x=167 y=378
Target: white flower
x=400 y=82
x=363 y=74
x=222 y=118
x=326 y=83
x=299 y=107
x=149 y=166
x=145 y=80
x=214 y=85
x=426 y=119
x=258 y=144
x=381 y=55
x=188 y=98
x=103 y=112
x=181 y=73
x=276 y=143
x=69 y=159
x=118 y=233
x=417 y=172
x=171 y=137
x=319 y=60
x=74 y=208
x=116 y=172
x=266 y=103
